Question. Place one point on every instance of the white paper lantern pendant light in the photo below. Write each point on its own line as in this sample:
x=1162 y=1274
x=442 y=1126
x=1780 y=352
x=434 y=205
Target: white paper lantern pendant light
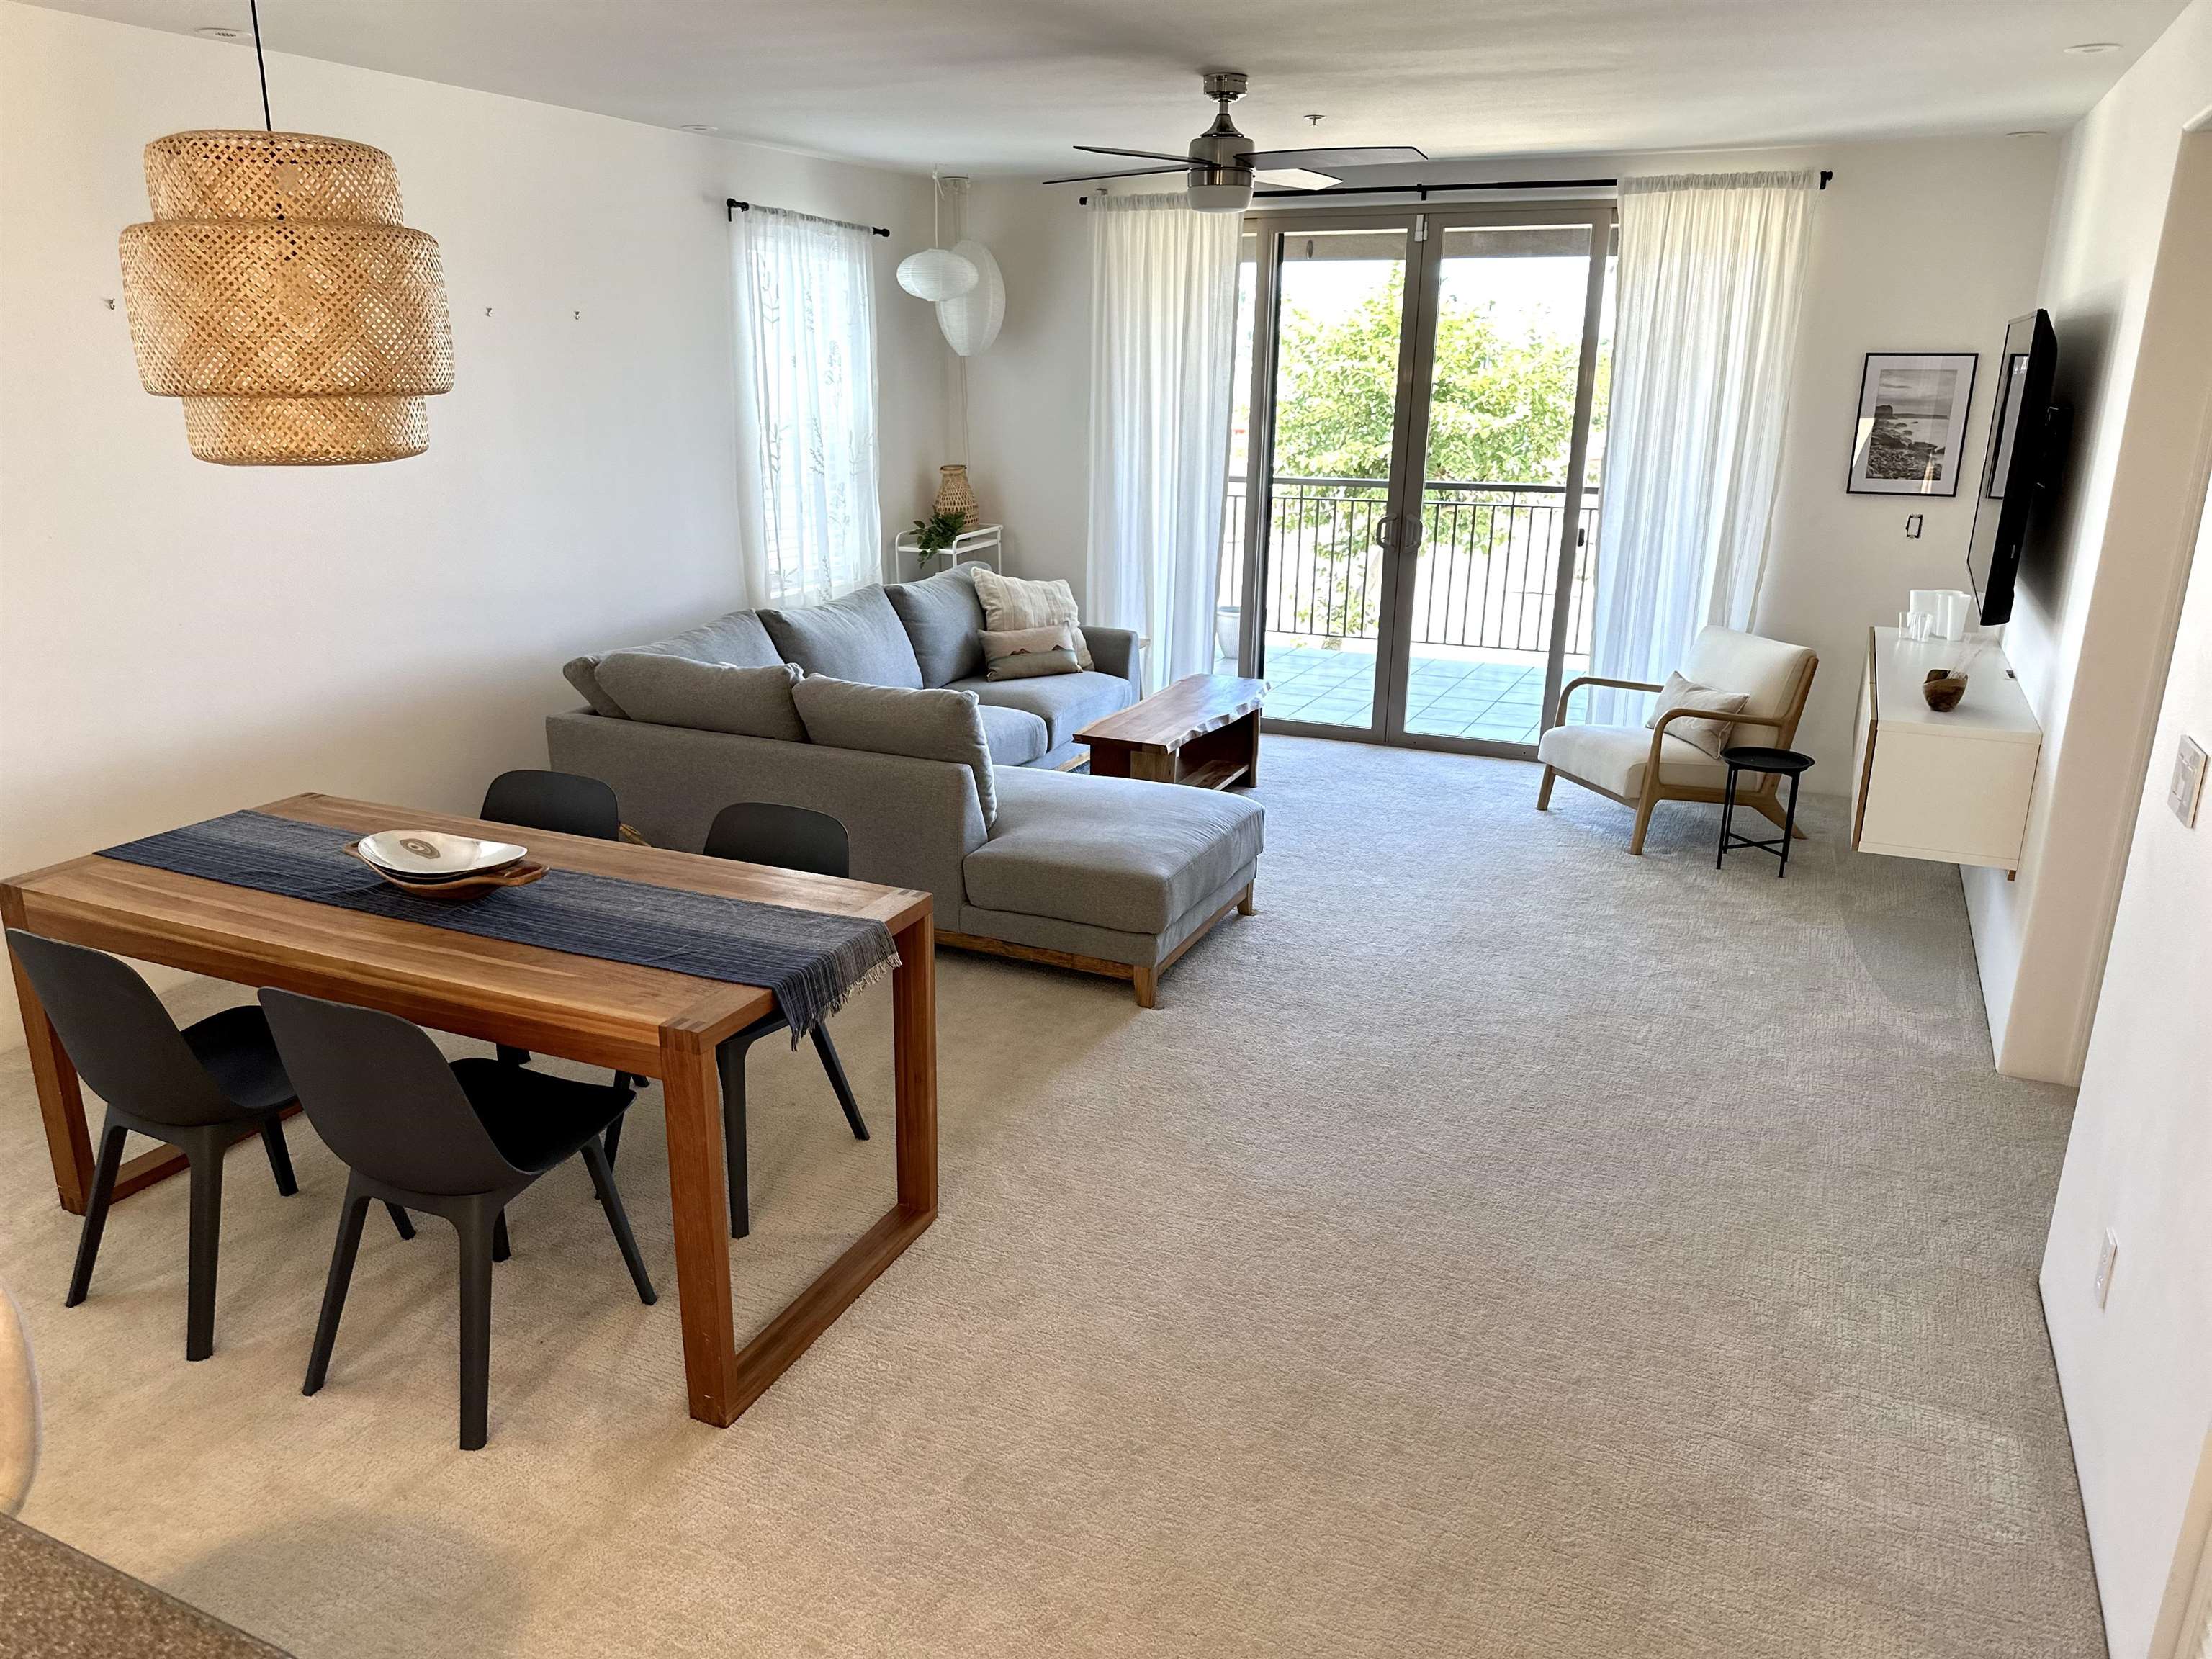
x=936 y=273
x=277 y=294
x=970 y=321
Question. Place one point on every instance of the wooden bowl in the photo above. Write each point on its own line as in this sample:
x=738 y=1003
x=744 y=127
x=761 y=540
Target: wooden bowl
x=1943 y=689
x=459 y=887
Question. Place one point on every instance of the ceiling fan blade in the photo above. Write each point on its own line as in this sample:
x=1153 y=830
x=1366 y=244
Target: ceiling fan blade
x=1295 y=179
x=1352 y=155
x=1100 y=177
x=1141 y=155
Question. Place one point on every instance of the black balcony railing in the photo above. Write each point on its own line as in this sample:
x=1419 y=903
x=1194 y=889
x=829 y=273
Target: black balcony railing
x=1487 y=573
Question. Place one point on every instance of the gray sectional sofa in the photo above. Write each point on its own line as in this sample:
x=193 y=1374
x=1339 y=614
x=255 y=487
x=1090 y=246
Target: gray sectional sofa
x=1024 y=858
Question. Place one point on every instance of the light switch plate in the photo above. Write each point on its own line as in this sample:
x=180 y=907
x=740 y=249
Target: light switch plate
x=2108 y=1258
x=1912 y=526
x=2188 y=781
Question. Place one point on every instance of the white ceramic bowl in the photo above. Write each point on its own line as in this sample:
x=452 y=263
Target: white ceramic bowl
x=432 y=855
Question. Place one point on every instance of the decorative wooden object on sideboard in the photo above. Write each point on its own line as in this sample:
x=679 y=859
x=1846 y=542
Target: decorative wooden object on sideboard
x=1950 y=786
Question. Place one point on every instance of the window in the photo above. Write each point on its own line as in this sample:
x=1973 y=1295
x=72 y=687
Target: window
x=806 y=359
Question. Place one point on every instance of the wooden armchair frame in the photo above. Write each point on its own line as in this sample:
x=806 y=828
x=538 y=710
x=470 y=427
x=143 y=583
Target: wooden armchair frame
x=1765 y=796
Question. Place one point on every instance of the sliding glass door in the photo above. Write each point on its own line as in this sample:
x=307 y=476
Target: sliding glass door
x=1407 y=553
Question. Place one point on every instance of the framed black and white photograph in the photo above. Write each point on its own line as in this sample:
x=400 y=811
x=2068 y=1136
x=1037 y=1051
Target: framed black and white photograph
x=1913 y=422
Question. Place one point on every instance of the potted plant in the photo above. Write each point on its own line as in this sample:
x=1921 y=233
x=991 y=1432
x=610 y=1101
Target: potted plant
x=934 y=535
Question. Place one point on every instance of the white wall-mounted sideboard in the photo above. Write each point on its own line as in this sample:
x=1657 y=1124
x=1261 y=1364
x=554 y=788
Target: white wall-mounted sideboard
x=1952 y=787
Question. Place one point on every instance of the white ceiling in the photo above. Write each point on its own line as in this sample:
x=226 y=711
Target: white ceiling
x=1007 y=85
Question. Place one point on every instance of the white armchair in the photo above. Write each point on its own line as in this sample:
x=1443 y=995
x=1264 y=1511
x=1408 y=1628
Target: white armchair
x=1639 y=767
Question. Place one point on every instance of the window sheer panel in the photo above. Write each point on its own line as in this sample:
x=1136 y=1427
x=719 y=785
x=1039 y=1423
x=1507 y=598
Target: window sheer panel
x=1164 y=324
x=1710 y=280
x=804 y=289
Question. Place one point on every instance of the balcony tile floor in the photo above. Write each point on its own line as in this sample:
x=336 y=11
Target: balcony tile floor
x=1497 y=702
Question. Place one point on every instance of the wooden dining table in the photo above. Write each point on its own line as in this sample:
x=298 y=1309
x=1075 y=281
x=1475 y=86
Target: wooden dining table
x=647 y=1021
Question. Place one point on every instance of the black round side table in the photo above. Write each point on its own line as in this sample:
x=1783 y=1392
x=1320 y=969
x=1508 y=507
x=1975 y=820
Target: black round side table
x=1783 y=763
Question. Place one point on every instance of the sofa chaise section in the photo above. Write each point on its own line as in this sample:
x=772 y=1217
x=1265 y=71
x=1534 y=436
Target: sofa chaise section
x=1107 y=875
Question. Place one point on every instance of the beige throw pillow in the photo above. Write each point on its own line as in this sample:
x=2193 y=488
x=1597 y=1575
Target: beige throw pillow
x=1012 y=606
x=1023 y=653
x=1711 y=735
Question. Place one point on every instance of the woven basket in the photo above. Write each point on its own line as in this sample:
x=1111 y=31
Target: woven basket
x=277 y=294
x=955 y=495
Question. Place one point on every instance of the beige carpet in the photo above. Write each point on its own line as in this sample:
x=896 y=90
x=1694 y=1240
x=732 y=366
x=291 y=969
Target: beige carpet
x=1498 y=1246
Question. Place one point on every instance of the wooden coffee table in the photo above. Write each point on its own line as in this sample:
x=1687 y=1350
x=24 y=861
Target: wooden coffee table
x=1202 y=730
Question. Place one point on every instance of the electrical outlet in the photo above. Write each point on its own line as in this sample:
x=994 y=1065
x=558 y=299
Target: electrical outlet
x=1912 y=526
x=2188 y=781
x=2108 y=1258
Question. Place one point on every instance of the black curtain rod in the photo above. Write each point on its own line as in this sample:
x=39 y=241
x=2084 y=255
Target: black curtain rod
x=1422 y=191
x=733 y=205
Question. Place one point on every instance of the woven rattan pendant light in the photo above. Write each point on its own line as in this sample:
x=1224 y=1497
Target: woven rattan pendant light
x=278 y=293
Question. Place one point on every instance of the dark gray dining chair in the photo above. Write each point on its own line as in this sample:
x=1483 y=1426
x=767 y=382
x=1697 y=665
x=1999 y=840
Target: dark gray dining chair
x=789 y=838
x=568 y=804
x=563 y=802
x=462 y=1141
x=198 y=1090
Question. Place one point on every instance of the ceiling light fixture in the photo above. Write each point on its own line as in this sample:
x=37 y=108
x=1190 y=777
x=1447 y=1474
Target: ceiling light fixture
x=970 y=321
x=2091 y=48
x=220 y=32
x=937 y=273
x=1222 y=164
x=278 y=293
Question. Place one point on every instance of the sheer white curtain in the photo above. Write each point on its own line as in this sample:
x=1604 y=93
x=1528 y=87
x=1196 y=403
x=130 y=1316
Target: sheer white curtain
x=1163 y=328
x=806 y=378
x=1712 y=267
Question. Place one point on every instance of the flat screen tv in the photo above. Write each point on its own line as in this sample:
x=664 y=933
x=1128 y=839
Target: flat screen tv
x=2018 y=470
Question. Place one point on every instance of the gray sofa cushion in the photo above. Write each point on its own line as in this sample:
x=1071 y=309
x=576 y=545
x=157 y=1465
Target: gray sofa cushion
x=1111 y=852
x=890 y=720
x=857 y=639
x=583 y=674
x=942 y=617
x=736 y=638
x=707 y=696
x=1065 y=702
x=1016 y=737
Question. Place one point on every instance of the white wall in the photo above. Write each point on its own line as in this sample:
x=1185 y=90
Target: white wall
x=1029 y=396
x=2137 y=1375
x=178 y=639
x=2099 y=597
x=2128 y=286
x=1927 y=245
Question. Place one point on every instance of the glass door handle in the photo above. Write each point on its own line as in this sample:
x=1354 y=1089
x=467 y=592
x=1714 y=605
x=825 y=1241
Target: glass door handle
x=1394 y=534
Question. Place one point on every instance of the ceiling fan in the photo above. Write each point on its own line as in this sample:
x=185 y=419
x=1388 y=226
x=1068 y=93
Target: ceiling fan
x=1222 y=162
